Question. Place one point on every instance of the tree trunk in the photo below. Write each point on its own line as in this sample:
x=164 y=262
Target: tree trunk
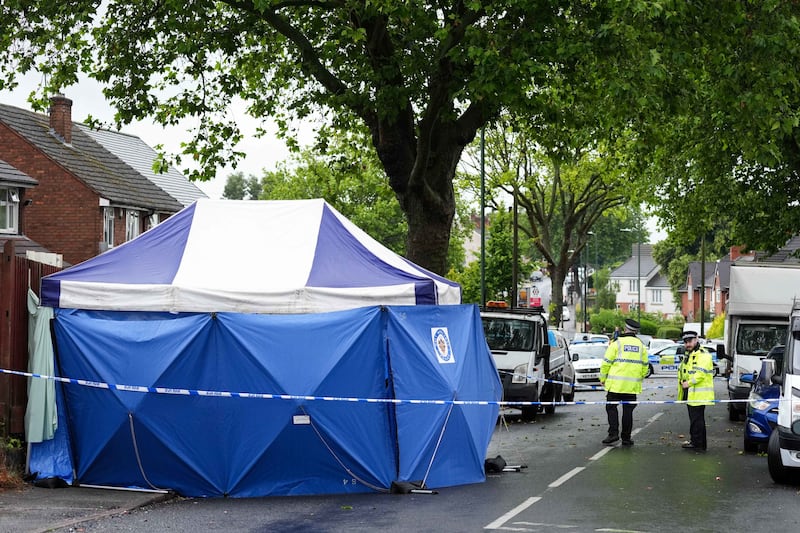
x=428 y=233
x=422 y=179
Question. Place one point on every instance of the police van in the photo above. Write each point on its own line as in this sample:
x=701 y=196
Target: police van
x=526 y=357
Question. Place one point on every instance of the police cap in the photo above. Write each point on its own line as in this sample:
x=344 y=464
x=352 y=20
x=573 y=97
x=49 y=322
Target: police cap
x=632 y=325
x=689 y=335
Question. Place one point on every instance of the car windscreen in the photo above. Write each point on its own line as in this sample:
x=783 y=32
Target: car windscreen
x=509 y=334
x=758 y=339
x=588 y=351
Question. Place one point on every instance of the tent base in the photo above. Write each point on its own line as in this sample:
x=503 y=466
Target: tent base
x=410 y=487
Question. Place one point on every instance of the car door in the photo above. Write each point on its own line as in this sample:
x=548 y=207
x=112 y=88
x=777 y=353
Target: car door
x=668 y=360
x=558 y=350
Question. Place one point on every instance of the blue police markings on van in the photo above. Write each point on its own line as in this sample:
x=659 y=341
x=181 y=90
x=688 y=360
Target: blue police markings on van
x=442 y=346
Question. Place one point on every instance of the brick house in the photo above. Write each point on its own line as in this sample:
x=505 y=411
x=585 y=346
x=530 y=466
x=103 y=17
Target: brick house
x=67 y=193
x=94 y=189
x=697 y=285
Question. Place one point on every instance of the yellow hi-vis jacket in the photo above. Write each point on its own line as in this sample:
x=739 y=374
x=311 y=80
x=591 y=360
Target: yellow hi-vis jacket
x=697 y=368
x=624 y=365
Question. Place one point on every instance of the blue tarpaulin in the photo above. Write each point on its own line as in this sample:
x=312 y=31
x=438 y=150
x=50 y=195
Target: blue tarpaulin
x=201 y=444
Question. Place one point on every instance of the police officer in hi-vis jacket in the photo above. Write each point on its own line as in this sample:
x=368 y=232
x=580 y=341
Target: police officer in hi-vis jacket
x=621 y=373
x=696 y=387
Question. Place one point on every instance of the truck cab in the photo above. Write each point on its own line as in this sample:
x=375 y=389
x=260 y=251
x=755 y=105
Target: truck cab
x=519 y=341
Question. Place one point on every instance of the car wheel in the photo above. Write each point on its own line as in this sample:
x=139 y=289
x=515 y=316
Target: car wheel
x=733 y=414
x=779 y=473
x=649 y=371
x=750 y=446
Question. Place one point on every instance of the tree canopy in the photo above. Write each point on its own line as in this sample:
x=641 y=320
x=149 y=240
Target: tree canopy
x=423 y=77
x=711 y=86
x=561 y=194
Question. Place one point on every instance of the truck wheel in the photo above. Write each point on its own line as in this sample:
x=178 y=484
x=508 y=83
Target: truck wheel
x=550 y=409
x=571 y=396
x=779 y=473
x=529 y=412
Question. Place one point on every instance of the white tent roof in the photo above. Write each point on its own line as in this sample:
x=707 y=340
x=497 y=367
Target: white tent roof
x=289 y=256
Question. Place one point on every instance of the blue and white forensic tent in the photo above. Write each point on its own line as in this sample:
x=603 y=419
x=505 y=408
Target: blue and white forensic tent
x=311 y=360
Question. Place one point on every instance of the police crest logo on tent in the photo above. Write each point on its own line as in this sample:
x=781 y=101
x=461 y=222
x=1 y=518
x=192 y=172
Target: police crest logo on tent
x=442 y=346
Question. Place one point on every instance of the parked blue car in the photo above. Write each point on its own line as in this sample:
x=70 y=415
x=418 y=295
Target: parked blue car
x=762 y=406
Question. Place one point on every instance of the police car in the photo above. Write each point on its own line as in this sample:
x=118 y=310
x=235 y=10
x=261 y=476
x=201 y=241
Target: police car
x=665 y=361
x=587 y=356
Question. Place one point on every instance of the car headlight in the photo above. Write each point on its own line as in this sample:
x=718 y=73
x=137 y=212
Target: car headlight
x=758 y=403
x=520 y=374
x=741 y=372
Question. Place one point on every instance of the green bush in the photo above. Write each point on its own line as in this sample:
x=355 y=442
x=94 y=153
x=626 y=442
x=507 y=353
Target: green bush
x=607 y=319
x=649 y=326
x=668 y=332
x=717 y=329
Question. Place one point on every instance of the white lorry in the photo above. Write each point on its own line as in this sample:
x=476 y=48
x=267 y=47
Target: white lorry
x=756 y=319
x=783 y=448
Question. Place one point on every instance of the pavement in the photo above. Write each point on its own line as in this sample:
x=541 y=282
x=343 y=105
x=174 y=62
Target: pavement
x=32 y=509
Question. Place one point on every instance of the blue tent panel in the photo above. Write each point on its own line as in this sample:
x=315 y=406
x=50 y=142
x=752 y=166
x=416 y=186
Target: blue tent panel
x=196 y=427
x=440 y=353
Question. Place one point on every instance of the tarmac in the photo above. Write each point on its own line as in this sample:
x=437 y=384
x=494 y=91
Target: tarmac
x=32 y=509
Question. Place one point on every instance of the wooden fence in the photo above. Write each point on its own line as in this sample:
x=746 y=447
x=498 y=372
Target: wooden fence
x=16 y=275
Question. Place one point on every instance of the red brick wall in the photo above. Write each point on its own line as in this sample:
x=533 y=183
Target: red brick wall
x=65 y=216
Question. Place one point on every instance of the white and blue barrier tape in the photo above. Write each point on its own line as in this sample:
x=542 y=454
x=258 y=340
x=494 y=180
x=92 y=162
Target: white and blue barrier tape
x=270 y=396
x=583 y=387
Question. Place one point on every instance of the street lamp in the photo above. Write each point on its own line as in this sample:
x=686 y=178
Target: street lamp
x=638 y=274
x=586 y=279
x=639 y=280
x=483 y=224
x=585 y=288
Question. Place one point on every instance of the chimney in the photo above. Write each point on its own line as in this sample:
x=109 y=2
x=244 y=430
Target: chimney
x=61 y=117
x=738 y=252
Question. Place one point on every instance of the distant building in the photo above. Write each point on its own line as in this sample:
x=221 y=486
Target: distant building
x=638 y=283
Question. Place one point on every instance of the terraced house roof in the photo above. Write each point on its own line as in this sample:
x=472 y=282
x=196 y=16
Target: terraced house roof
x=92 y=163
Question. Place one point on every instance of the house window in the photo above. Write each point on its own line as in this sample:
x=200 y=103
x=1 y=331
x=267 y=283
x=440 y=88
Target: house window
x=9 y=209
x=132 y=227
x=633 y=285
x=108 y=226
x=656 y=295
x=152 y=221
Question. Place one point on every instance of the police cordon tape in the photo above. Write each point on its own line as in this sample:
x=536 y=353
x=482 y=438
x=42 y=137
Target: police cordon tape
x=270 y=396
x=581 y=386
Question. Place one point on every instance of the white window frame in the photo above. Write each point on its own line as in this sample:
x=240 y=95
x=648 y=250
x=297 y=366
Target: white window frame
x=108 y=226
x=656 y=295
x=132 y=226
x=9 y=204
x=152 y=221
